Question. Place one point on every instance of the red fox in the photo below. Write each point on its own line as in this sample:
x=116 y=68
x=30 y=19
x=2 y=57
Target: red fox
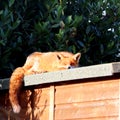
x=39 y=62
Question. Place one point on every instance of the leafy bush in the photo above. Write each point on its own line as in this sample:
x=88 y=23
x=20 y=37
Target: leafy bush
x=89 y=27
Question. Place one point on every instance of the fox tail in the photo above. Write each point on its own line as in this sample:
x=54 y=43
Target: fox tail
x=15 y=85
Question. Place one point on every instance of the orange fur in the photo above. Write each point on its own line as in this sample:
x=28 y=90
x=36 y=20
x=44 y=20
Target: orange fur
x=39 y=62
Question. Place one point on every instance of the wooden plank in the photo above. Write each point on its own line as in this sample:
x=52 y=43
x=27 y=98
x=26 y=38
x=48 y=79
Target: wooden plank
x=41 y=113
x=91 y=91
x=86 y=110
x=103 y=118
x=100 y=118
x=52 y=102
x=119 y=100
x=41 y=97
x=94 y=71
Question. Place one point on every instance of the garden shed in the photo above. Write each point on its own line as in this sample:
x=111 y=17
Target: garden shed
x=84 y=93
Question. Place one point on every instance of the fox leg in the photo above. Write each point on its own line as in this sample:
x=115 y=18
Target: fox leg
x=15 y=85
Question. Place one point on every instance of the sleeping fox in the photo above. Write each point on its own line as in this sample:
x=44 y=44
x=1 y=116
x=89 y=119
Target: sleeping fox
x=37 y=63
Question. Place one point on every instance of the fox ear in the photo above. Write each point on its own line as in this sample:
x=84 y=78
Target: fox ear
x=77 y=56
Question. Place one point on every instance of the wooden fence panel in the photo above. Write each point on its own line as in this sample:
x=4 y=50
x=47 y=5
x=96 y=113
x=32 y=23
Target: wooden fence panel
x=87 y=100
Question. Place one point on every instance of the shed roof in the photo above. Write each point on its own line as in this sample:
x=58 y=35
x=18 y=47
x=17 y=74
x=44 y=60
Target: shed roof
x=93 y=71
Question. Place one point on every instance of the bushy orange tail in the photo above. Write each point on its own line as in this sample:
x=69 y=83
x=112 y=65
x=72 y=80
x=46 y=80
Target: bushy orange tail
x=16 y=82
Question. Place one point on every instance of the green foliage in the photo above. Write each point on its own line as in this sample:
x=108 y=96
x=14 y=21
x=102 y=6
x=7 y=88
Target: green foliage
x=90 y=27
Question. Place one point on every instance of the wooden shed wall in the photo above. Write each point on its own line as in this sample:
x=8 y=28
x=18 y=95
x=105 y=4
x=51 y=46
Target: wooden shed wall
x=97 y=99
x=87 y=101
x=82 y=99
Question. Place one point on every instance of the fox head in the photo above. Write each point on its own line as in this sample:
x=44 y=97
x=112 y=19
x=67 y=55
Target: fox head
x=68 y=61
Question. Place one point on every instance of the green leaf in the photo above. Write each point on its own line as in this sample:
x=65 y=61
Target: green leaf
x=1 y=12
x=81 y=44
x=11 y=2
x=77 y=20
x=15 y=24
x=2 y=43
x=69 y=19
x=2 y=33
x=101 y=49
x=88 y=29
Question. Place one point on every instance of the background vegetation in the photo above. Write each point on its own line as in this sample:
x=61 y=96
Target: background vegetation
x=90 y=27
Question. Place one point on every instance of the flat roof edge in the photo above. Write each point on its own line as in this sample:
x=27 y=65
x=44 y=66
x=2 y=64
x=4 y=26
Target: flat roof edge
x=79 y=73
x=93 y=71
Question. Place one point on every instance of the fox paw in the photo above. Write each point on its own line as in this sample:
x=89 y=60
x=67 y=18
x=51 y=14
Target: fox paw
x=16 y=108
